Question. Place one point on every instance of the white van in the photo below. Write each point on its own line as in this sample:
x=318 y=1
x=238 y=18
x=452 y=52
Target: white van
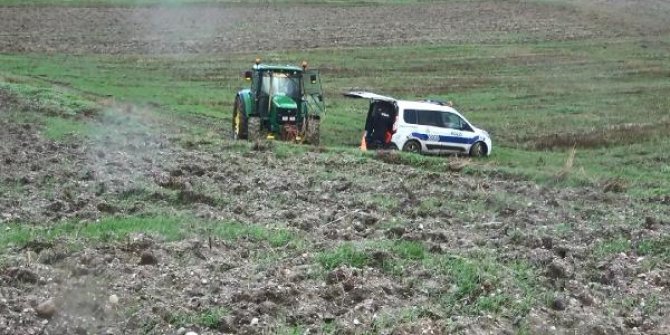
x=428 y=126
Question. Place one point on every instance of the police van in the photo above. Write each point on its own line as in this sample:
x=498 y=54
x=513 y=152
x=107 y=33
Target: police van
x=421 y=127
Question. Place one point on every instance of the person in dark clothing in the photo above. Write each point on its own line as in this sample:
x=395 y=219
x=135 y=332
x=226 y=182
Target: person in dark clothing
x=379 y=126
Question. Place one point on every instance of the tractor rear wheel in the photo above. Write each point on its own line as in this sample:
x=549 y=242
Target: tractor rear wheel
x=240 y=121
x=312 y=133
x=254 y=130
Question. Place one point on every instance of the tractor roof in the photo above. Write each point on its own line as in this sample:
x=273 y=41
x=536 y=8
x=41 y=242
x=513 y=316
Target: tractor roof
x=264 y=67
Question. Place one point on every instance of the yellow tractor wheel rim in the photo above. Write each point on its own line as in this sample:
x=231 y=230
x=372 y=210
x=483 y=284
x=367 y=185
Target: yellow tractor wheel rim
x=237 y=123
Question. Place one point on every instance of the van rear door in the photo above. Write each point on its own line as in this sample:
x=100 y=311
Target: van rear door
x=368 y=95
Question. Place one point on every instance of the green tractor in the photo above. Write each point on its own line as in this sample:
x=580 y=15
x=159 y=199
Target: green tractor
x=284 y=102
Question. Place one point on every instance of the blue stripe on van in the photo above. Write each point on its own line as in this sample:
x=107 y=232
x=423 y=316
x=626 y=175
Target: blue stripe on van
x=447 y=139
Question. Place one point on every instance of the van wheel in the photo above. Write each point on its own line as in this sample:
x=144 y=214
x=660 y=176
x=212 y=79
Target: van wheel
x=478 y=149
x=412 y=146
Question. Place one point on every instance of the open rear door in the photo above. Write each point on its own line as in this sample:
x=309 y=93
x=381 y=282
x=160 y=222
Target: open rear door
x=368 y=95
x=380 y=121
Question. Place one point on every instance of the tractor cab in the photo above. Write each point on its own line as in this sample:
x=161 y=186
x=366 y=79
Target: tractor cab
x=278 y=89
x=283 y=101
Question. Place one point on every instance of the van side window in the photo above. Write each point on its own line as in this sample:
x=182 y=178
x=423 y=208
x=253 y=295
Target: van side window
x=429 y=118
x=451 y=121
x=409 y=116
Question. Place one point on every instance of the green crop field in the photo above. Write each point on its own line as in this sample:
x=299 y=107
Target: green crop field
x=605 y=98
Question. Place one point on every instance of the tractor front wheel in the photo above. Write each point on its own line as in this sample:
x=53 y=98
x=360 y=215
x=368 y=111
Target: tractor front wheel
x=240 y=121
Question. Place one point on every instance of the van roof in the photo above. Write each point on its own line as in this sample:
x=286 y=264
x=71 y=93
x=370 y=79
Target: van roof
x=413 y=104
x=403 y=104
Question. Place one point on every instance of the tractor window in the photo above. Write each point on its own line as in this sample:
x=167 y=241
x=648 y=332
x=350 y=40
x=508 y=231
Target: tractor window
x=280 y=83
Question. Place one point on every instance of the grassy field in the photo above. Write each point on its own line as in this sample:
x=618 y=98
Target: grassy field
x=538 y=100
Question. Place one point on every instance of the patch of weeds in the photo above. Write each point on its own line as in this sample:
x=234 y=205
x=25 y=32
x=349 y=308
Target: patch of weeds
x=236 y=146
x=57 y=128
x=329 y=328
x=651 y=305
x=410 y=250
x=410 y=159
x=137 y=193
x=50 y=100
x=563 y=229
x=15 y=235
x=610 y=247
x=429 y=207
x=234 y=231
x=656 y=248
x=386 y=321
x=482 y=284
x=290 y=330
x=383 y=202
x=110 y=229
x=391 y=257
x=279 y=238
x=345 y=254
x=169 y=228
x=286 y=150
x=148 y=326
x=516 y=236
x=208 y=318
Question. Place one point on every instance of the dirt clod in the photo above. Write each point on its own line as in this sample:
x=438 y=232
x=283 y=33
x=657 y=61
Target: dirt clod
x=22 y=275
x=559 y=268
x=46 y=309
x=558 y=304
x=148 y=258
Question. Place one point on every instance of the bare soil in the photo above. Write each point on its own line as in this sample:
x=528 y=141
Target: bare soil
x=223 y=29
x=330 y=199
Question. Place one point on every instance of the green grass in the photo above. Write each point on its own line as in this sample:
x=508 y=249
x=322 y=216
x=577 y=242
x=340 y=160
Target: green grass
x=57 y=128
x=346 y=254
x=167 y=228
x=208 y=318
x=523 y=93
x=484 y=284
x=47 y=98
x=478 y=283
x=655 y=247
x=373 y=254
x=610 y=247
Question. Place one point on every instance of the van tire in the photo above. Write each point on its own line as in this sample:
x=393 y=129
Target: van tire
x=412 y=146
x=478 y=149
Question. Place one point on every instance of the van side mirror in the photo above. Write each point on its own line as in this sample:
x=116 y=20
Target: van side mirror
x=247 y=75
